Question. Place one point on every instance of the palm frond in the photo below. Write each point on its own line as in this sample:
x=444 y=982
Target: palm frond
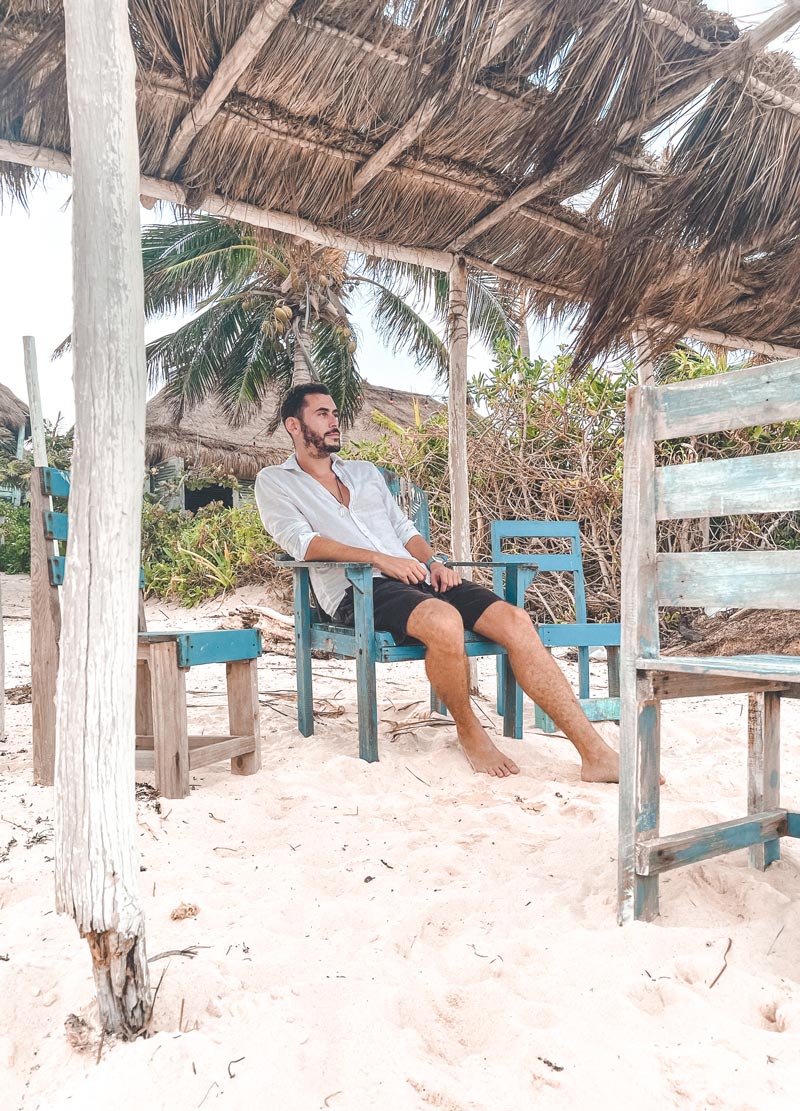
x=400 y=326
x=336 y=368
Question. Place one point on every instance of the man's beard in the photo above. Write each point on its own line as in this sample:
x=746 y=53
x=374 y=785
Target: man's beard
x=320 y=443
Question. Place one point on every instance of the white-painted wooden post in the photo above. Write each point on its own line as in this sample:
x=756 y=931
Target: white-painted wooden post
x=97 y=864
x=458 y=342
x=34 y=402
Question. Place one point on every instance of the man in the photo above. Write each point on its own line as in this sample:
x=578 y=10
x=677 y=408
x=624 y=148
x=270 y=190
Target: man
x=318 y=507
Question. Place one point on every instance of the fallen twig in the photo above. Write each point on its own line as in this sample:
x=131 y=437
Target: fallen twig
x=235 y=1062
x=189 y=951
x=777 y=935
x=724 y=963
x=417 y=776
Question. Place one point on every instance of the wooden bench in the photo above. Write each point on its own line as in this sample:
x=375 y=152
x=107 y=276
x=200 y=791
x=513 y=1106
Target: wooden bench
x=370 y=646
x=163 y=743
x=580 y=634
x=768 y=483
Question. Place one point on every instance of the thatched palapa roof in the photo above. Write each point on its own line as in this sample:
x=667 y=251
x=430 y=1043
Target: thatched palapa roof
x=202 y=438
x=14 y=413
x=419 y=129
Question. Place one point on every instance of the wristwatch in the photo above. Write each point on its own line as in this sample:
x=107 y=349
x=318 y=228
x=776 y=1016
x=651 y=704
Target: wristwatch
x=438 y=558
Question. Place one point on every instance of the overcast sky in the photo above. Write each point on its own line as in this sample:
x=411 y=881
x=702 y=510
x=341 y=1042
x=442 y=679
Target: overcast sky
x=36 y=297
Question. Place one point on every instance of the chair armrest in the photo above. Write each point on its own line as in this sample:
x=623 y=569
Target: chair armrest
x=299 y=564
x=493 y=563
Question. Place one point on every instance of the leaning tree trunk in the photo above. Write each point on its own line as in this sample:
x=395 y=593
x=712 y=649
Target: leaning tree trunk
x=303 y=367
x=97 y=866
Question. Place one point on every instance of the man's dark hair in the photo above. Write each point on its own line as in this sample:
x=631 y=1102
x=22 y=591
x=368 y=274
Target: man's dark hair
x=296 y=398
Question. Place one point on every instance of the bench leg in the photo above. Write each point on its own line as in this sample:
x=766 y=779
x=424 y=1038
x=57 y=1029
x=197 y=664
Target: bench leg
x=639 y=797
x=144 y=700
x=170 y=730
x=302 y=645
x=763 y=768
x=244 y=713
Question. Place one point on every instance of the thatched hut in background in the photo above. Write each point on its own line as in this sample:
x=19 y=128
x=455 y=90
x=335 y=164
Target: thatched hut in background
x=14 y=427
x=202 y=442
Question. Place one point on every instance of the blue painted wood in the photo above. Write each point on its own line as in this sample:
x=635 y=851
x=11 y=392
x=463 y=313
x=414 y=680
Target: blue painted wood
x=661 y=854
x=723 y=487
x=764 y=768
x=725 y=580
x=56 y=566
x=211 y=646
x=364 y=629
x=765 y=667
x=792 y=824
x=302 y=647
x=56 y=526
x=515 y=581
x=648 y=791
x=571 y=636
x=738 y=399
x=55 y=483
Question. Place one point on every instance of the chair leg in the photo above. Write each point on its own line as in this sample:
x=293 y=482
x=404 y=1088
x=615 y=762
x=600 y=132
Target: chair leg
x=583 y=672
x=244 y=713
x=763 y=768
x=541 y=720
x=144 y=700
x=612 y=663
x=302 y=644
x=437 y=706
x=639 y=791
x=363 y=620
x=512 y=704
x=170 y=730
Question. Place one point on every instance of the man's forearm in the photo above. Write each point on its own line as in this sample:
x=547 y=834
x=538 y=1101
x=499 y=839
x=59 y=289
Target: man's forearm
x=321 y=549
x=419 y=548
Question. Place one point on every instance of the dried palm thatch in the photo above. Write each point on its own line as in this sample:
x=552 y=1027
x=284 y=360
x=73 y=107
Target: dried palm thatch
x=13 y=415
x=203 y=439
x=416 y=129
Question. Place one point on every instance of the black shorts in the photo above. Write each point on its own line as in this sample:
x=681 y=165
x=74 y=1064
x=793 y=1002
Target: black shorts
x=394 y=602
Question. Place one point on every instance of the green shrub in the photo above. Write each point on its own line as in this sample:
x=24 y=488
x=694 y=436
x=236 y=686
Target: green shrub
x=15 y=538
x=190 y=557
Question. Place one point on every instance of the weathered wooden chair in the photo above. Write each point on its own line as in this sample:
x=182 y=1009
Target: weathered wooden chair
x=721 y=579
x=370 y=646
x=163 y=743
x=579 y=634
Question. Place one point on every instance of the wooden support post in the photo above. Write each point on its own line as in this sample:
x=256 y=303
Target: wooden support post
x=643 y=358
x=96 y=857
x=764 y=768
x=458 y=343
x=640 y=717
x=144 y=700
x=244 y=712
x=45 y=638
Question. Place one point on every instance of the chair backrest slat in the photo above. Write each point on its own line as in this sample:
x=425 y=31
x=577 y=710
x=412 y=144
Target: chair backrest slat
x=721 y=402
x=571 y=561
x=55 y=483
x=721 y=487
x=727 y=580
x=56 y=526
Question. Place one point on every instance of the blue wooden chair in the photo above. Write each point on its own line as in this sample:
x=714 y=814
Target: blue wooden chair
x=370 y=646
x=753 y=484
x=163 y=743
x=579 y=634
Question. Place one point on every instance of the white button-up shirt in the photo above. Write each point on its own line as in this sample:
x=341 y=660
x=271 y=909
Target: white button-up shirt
x=295 y=508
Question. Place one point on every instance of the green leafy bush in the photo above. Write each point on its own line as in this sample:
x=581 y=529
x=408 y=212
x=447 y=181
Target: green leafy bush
x=15 y=538
x=191 y=557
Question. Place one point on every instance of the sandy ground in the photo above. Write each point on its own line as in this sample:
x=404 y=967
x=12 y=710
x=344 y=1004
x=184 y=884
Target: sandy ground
x=406 y=935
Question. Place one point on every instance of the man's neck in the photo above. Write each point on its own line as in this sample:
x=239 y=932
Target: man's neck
x=318 y=466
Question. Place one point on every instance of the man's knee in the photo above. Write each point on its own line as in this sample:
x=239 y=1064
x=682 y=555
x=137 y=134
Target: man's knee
x=519 y=626
x=437 y=624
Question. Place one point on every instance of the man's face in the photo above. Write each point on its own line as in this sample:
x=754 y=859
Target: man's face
x=318 y=424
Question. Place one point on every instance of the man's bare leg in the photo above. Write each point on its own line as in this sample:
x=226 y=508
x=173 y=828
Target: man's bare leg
x=542 y=680
x=439 y=627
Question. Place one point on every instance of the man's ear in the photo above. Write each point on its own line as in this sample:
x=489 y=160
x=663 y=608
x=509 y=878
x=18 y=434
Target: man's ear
x=292 y=425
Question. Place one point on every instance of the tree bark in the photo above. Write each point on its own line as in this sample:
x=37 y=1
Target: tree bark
x=97 y=865
x=303 y=367
x=458 y=342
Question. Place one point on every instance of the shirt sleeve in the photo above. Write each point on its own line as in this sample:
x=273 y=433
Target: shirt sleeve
x=402 y=525
x=282 y=518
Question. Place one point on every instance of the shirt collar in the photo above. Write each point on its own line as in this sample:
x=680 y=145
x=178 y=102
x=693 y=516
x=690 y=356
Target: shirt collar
x=291 y=463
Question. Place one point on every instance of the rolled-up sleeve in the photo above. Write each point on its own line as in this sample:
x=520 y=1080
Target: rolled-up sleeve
x=402 y=525
x=282 y=517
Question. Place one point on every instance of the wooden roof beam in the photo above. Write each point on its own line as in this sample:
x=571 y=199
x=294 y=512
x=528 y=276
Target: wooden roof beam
x=507 y=29
x=231 y=67
x=42 y=158
x=726 y=61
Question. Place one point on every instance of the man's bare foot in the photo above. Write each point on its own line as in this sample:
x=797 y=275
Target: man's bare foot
x=487 y=757
x=601 y=767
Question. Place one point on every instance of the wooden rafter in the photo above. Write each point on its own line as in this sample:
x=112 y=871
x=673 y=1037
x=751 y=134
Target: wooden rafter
x=728 y=61
x=244 y=50
x=56 y=161
x=507 y=29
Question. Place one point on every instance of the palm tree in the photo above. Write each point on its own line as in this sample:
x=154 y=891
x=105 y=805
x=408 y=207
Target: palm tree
x=273 y=311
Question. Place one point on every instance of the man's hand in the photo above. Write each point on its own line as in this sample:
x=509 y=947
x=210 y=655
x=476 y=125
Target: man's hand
x=442 y=578
x=396 y=567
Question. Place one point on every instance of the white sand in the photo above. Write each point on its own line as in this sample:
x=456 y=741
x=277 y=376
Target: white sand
x=409 y=935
